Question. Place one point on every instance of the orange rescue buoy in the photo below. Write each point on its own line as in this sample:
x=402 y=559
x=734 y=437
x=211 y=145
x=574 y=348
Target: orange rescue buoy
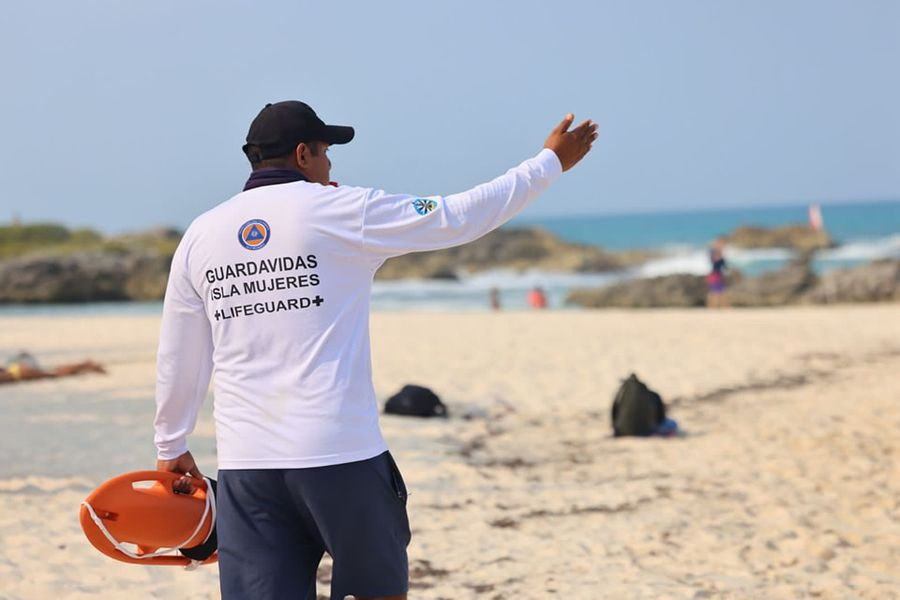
x=139 y=518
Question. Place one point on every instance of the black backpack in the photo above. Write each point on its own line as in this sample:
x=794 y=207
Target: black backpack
x=636 y=410
x=415 y=401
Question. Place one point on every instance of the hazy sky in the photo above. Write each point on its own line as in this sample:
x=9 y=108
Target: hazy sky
x=124 y=115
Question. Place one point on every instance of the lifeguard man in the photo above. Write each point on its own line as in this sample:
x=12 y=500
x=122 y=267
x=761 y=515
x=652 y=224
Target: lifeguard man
x=270 y=290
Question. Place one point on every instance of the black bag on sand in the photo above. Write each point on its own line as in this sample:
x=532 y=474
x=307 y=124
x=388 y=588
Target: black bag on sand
x=636 y=410
x=415 y=401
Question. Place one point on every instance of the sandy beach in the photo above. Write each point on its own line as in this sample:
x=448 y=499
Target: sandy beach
x=785 y=484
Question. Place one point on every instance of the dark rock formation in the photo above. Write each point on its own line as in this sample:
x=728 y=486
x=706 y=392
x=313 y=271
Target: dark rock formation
x=135 y=266
x=796 y=283
x=799 y=237
x=877 y=281
x=517 y=249
x=777 y=288
x=147 y=276
x=84 y=277
x=667 y=291
x=785 y=286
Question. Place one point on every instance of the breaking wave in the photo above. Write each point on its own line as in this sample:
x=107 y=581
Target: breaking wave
x=470 y=292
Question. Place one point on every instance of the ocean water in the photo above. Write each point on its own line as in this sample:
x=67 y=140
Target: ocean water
x=864 y=231
x=847 y=223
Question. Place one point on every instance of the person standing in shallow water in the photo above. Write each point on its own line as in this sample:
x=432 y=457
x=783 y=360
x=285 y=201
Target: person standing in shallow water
x=537 y=299
x=716 y=296
x=303 y=466
x=494 y=299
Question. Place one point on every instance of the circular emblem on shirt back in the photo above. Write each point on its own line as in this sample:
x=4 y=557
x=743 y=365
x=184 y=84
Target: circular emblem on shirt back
x=254 y=234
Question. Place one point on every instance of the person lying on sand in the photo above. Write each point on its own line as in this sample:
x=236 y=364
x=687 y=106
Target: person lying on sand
x=24 y=366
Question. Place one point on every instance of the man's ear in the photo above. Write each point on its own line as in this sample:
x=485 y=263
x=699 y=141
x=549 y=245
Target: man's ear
x=302 y=153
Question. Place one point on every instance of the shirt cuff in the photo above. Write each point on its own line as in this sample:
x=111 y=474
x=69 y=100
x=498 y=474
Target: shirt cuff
x=550 y=162
x=171 y=450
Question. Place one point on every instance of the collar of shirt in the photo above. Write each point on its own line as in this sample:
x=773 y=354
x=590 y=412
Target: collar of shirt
x=272 y=176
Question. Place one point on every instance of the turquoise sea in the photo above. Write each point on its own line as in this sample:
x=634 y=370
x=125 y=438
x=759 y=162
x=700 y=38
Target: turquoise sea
x=864 y=232
x=847 y=223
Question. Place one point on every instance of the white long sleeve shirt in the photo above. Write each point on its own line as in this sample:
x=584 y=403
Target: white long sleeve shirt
x=270 y=290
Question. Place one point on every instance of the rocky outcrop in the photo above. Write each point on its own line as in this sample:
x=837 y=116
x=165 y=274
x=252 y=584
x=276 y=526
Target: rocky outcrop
x=84 y=277
x=517 y=249
x=135 y=266
x=785 y=286
x=796 y=283
x=877 y=281
x=147 y=276
x=797 y=237
x=667 y=291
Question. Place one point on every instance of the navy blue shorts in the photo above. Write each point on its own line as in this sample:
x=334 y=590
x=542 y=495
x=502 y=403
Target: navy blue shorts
x=275 y=524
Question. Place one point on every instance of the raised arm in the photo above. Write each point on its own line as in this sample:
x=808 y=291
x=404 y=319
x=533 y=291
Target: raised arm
x=395 y=224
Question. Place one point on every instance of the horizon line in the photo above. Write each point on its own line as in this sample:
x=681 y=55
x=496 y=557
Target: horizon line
x=702 y=209
x=522 y=219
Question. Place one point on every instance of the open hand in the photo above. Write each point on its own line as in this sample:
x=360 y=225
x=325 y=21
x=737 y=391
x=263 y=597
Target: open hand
x=571 y=146
x=185 y=465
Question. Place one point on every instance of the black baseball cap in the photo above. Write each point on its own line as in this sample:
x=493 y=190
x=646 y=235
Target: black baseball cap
x=279 y=127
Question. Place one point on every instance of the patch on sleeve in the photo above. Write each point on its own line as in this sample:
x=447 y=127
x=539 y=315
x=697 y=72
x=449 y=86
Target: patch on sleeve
x=424 y=206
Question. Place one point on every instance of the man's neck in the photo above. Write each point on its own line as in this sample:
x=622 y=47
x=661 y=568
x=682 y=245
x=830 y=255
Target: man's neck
x=273 y=176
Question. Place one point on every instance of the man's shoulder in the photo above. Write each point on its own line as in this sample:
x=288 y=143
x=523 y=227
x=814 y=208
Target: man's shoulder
x=345 y=196
x=210 y=217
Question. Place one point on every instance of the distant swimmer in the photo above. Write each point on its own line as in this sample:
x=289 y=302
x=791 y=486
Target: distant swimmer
x=24 y=367
x=716 y=296
x=270 y=290
x=816 y=223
